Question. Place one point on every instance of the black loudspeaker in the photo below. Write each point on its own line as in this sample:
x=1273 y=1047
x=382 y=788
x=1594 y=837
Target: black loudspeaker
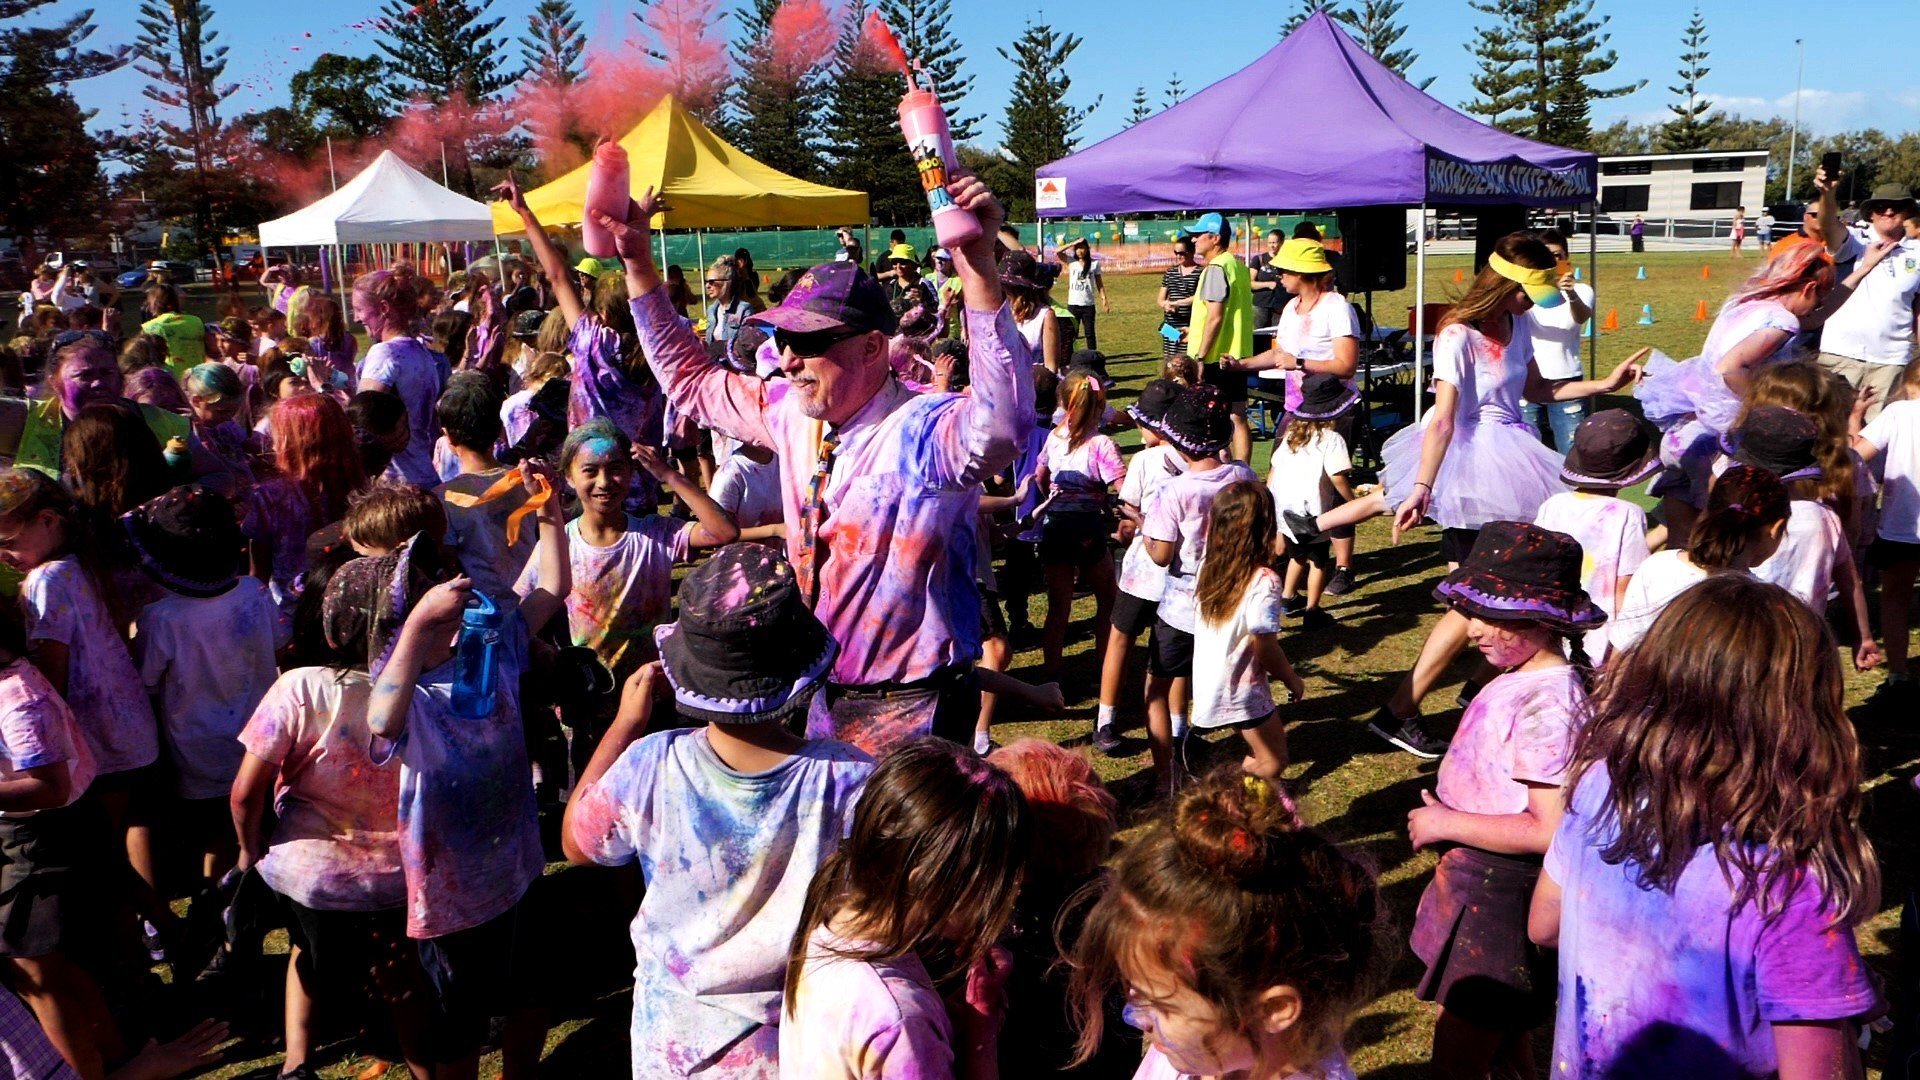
x=1490 y=224
x=1373 y=250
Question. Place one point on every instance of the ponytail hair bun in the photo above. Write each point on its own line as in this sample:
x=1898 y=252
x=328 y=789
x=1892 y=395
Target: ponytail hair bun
x=1235 y=830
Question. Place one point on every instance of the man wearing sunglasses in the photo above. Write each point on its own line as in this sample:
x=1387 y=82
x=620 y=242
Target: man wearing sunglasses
x=1870 y=339
x=880 y=487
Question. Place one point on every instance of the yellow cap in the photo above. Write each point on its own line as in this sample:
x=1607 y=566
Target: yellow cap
x=1302 y=256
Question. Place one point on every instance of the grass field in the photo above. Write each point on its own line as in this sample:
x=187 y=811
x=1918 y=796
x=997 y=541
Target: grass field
x=1356 y=788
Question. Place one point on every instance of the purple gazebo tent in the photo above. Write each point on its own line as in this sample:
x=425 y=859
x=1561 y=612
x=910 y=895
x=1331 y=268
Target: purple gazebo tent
x=1315 y=124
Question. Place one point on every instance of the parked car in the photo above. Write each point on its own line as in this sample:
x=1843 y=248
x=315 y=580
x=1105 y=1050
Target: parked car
x=179 y=273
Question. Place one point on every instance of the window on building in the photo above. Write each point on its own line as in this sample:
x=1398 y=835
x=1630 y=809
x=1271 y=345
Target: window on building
x=1719 y=164
x=1624 y=198
x=1722 y=196
x=1627 y=168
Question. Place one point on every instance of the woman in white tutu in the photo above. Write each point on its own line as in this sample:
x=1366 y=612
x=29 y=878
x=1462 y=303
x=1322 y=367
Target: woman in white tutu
x=1473 y=459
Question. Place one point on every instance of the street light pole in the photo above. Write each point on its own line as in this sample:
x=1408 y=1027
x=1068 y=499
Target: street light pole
x=1793 y=140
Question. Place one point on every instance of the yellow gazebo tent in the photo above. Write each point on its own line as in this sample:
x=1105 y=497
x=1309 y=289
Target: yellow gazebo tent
x=708 y=184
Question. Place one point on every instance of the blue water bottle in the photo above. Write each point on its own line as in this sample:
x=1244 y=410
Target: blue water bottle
x=476 y=662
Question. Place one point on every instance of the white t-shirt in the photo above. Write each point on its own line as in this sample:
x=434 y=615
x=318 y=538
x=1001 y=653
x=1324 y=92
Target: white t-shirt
x=1613 y=545
x=1895 y=433
x=109 y=705
x=1803 y=563
x=209 y=661
x=1147 y=472
x=855 y=1020
x=1665 y=575
x=749 y=490
x=1301 y=479
x=1556 y=337
x=1876 y=322
x=1229 y=685
x=1311 y=336
x=1082 y=282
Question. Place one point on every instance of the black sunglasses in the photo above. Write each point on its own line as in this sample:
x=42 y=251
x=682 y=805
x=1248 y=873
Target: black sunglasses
x=62 y=340
x=814 y=342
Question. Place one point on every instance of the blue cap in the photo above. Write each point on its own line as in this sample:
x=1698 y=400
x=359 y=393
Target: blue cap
x=1208 y=223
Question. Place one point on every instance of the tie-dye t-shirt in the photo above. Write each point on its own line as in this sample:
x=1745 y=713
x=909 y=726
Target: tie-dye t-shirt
x=103 y=687
x=1682 y=983
x=727 y=857
x=621 y=591
x=416 y=375
x=1613 y=539
x=1803 y=564
x=1179 y=516
x=336 y=839
x=1147 y=473
x=1518 y=731
x=209 y=661
x=854 y=1020
x=36 y=729
x=1081 y=475
x=469 y=838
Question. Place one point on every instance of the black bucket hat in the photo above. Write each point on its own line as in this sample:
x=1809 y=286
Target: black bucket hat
x=1520 y=572
x=1611 y=449
x=188 y=539
x=1092 y=360
x=1198 y=423
x=1324 y=396
x=526 y=325
x=745 y=649
x=1020 y=270
x=1779 y=440
x=1149 y=410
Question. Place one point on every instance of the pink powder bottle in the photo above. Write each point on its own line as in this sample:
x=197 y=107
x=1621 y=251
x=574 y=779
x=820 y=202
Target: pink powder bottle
x=608 y=191
x=925 y=124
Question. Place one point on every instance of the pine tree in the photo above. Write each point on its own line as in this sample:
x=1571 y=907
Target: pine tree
x=1141 y=110
x=1307 y=8
x=1175 y=91
x=693 y=54
x=553 y=44
x=774 y=106
x=1040 y=126
x=861 y=130
x=1690 y=128
x=921 y=26
x=443 y=50
x=1569 y=122
x=1373 y=25
x=54 y=52
x=178 y=56
x=1528 y=50
x=52 y=186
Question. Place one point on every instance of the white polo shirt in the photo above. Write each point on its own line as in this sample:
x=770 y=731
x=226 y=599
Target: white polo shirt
x=1875 y=325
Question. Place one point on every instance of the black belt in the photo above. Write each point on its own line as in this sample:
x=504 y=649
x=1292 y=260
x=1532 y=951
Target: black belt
x=942 y=679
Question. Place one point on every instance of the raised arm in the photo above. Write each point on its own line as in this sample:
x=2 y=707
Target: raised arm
x=555 y=564
x=552 y=263
x=981 y=433
x=429 y=626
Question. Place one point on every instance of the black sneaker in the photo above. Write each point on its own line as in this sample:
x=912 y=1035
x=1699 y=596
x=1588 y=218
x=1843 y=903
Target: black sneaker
x=1304 y=528
x=1315 y=619
x=1340 y=582
x=300 y=1072
x=1292 y=605
x=1107 y=741
x=1408 y=735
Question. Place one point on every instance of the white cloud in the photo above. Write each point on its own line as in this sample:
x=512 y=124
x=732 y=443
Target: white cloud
x=1822 y=111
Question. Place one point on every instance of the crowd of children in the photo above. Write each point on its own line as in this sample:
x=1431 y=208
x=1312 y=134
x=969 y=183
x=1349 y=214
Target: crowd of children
x=355 y=649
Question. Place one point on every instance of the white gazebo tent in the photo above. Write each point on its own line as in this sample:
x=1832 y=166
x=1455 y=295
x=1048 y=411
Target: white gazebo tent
x=389 y=202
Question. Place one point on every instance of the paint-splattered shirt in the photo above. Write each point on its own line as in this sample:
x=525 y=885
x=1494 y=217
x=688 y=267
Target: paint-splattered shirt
x=478 y=535
x=601 y=387
x=469 y=838
x=727 y=857
x=1179 y=516
x=278 y=512
x=1613 y=541
x=1518 y=731
x=104 y=690
x=855 y=1020
x=896 y=580
x=37 y=729
x=415 y=375
x=1682 y=983
x=336 y=835
x=1803 y=564
x=621 y=591
x=1147 y=473
x=1081 y=476
x=209 y=661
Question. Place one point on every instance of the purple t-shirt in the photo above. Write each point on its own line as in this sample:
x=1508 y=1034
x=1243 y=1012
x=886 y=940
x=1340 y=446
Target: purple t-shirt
x=1179 y=516
x=1683 y=984
x=1519 y=730
x=104 y=690
x=416 y=376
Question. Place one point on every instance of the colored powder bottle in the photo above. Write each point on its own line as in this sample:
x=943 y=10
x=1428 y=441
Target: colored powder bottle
x=476 y=660
x=177 y=454
x=925 y=124
x=609 y=190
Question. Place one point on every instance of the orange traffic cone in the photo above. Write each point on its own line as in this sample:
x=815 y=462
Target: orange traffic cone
x=1700 y=311
x=1705 y=273
x=1458 y=277
x=1613 y=320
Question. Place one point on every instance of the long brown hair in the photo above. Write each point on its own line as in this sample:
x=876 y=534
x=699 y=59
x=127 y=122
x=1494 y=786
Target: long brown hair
x=1806 y=387
x=1489 y=293
x=1301 y=432
x=1744 y=503
x=939 y=840
x=1086 y=405
x=111 y=461
x=1724 y=726
x=1240 y=533
x=1232 y=894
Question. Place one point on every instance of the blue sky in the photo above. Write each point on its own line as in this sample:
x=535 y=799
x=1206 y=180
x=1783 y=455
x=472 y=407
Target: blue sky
x=1129 y=42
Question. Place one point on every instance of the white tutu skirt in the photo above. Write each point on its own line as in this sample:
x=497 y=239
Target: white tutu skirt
x=1494 y=471
x=1673 y=393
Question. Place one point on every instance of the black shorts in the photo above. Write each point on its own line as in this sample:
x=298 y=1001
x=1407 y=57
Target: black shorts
x=475 y=977
x=1318 y=553
x=1885 y=553
x=1231 y=384
x=343 y=949
x=993 y=622
x=1456 y=544
x=1169 y=652
x=1132 y=614
x=143 y=785
x=51 y=885
x=1076 y=538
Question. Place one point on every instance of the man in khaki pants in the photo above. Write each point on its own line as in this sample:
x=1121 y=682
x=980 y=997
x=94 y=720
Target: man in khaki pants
x=1869 y=340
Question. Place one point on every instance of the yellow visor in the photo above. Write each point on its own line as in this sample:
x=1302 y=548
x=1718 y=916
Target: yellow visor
x=1538 y=284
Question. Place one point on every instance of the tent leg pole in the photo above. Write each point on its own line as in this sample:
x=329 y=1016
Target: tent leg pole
x=700 y=249
x=1593 y=282
x=1419 y=310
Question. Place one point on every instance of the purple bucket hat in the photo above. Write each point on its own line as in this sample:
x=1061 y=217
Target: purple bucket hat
x=831 y=296
x=1520 y=572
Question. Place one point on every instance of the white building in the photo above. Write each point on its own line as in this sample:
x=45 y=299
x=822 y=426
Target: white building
x=1703 y=185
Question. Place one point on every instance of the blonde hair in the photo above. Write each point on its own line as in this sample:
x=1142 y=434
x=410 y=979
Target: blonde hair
x=1086 y=402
